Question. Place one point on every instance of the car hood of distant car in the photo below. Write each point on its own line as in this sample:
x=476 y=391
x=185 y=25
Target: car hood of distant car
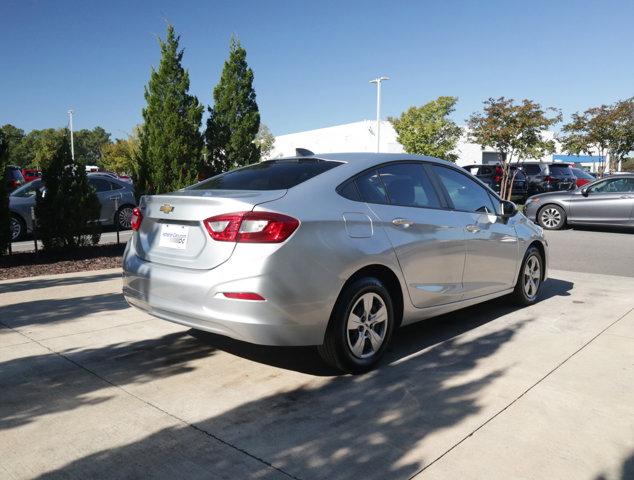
x=562 y=195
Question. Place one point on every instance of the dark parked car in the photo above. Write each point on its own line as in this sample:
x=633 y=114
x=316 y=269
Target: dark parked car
x=491 y=175
x=112 y=193
x=583 y=177
x=609 y=201
x=14 y=177
x=548 y=177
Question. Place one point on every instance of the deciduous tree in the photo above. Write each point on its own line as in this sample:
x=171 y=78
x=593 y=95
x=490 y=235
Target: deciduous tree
x=428 y=130
x=515 y=130
x=170 y=152
x=265 y=141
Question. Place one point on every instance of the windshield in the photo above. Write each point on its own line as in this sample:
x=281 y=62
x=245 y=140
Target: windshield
x=268 y=175
x=560 y=170
x=27 y=190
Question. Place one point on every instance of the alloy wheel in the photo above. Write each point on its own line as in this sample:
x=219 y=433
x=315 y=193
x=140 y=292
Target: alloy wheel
x=16 y=229
x=367 y=325
x=532 y=276
x=125 y=217
x=551 y=217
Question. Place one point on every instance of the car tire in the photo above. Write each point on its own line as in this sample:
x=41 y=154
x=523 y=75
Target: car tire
x=551 y=217
x=17 y=227
x=124 y=216
x=529 y=279
x=356 y=338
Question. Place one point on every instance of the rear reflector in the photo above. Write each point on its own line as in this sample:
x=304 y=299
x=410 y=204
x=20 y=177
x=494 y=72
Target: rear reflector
x=251 y=227
x=136 y=219
x=243 y=296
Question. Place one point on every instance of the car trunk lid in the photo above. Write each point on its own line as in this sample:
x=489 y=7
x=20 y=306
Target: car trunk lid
x=172 y=231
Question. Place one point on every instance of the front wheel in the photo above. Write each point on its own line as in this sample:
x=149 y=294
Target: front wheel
x=360 y=327
x=552 y=217
x=529 y=280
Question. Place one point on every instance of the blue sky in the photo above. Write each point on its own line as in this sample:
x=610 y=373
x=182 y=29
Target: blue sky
x=312 y=59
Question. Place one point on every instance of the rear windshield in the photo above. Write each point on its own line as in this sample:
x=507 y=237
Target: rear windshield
x=561 y=169
x=14 y=174
x=269 y=175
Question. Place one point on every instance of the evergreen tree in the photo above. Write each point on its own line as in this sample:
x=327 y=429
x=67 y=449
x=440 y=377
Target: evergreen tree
x=5 y=235
x=170 y=154
x=68 y=212
x=234 y=118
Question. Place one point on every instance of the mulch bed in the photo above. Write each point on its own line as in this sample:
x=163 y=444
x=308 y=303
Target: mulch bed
x=30 y=264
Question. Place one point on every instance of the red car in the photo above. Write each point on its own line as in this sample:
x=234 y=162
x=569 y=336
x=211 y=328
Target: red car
x=583 y=177
x=31 y=174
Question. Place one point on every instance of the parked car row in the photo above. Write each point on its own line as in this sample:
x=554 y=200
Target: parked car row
x=116 y=197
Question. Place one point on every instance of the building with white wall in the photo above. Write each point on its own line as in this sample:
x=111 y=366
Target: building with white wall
x=361 y=137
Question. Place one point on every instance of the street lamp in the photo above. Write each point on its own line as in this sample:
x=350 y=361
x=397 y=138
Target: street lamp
x=378 y=81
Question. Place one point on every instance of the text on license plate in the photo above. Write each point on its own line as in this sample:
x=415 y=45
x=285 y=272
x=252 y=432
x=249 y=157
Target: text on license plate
x=174 y=236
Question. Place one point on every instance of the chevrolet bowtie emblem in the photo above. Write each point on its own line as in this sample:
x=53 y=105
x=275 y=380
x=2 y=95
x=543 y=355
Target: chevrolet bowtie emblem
x=166 y=208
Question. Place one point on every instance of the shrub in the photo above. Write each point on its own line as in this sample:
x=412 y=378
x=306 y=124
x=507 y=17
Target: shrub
x=67 y=211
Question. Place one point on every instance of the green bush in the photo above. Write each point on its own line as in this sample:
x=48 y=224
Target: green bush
x=5 y=234
x=68 y=210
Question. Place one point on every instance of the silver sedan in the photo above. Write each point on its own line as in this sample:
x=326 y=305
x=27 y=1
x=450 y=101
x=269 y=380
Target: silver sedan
x=609 y=201
x=329 y=250
x=116 y=197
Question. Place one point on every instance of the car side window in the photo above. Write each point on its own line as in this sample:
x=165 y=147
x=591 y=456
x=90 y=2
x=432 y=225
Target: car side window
x=613 y=185
x=371 y=188
x=531 y=169
x=407 y=185
x=465 y=194
x=99 y=184
x=496 y=204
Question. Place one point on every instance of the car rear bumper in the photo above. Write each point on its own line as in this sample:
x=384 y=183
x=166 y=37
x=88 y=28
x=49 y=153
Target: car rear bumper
x=194 y=298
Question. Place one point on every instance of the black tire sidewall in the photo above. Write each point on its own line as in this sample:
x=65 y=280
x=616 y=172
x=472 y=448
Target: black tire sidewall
x=519 y=288
x=561 y=211
x=340 y=323
x=20 y=222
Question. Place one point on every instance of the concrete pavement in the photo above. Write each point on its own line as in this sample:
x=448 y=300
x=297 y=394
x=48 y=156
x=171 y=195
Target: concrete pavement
x=94 y=389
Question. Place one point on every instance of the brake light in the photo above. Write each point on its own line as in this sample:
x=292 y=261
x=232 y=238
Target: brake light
x=136 y=219
x=251 y=227
x=244 y=296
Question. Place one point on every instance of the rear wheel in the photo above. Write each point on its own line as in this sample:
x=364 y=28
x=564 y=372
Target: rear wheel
x=17 y=228
x=529 y=280
x=124 y=217
x=360 y=327
x=552 y=217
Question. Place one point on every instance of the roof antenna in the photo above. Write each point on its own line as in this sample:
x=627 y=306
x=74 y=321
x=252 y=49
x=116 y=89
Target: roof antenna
x=303 y=152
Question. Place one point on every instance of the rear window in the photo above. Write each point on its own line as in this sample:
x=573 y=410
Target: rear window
x=14 y=174
x=560 y=169
x=519 y=175
x=531 y=169
x=269 y=175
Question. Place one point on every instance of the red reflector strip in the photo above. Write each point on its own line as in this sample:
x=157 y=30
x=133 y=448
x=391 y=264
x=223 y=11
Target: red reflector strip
x=243 y=296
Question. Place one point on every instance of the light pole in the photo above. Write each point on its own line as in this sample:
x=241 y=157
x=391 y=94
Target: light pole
x=378 y=81
x=70 y=126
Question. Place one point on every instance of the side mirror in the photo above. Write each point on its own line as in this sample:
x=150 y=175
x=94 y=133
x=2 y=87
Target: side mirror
x=509 y=209
x=585 y=192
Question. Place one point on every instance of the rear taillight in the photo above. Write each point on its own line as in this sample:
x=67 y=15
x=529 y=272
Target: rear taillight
x=548 y=179
x=251 y=227
x=136 y=219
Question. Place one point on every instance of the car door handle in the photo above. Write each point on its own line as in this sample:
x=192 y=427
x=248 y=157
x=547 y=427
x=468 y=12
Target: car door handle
x=472 y=228
x=402 y=222
x=114 y=197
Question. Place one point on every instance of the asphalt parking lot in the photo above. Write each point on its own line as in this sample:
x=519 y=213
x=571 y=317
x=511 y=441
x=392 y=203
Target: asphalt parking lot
x=91 y=388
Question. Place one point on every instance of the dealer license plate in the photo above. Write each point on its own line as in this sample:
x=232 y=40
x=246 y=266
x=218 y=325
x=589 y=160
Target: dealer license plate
x=174 y=236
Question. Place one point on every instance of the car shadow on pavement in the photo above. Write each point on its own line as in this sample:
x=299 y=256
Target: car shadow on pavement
x=37 y=283
x=365 y=426
x=49 y=311
x=406 y=341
